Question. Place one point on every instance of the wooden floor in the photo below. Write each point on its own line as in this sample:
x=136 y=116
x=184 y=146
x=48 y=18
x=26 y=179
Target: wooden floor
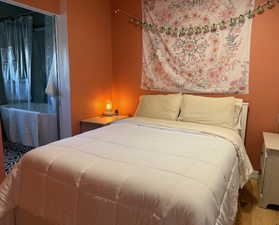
x=249 y=213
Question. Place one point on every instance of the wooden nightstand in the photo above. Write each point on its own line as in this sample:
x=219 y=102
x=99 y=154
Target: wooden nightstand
x=269 y=177
x=97 y=122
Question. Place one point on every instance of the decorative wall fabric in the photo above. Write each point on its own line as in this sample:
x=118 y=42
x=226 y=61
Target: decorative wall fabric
x=216 y=62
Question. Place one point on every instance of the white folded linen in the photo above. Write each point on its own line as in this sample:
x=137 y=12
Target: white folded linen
x=29 y=128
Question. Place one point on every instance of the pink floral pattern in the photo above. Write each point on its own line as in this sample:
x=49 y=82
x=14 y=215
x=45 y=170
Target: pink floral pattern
x=207 y=63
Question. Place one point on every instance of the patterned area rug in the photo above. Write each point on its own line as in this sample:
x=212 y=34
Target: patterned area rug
x=13 y=153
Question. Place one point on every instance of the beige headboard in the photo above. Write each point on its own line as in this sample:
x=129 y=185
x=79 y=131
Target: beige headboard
x=244 y=118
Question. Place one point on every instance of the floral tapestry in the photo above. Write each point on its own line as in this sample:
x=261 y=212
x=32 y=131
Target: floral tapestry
x=215 y=62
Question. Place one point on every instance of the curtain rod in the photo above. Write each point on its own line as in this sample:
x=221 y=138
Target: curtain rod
x=120 y=11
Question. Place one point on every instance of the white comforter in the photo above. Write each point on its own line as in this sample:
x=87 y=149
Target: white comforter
x=136 y=172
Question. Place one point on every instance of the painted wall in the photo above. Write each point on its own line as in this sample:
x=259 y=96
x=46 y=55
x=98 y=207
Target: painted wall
x=264 y=72
x=89 y=26
x=48 y=5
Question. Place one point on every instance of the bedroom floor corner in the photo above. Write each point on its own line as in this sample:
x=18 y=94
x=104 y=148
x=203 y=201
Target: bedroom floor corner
x=249 y=212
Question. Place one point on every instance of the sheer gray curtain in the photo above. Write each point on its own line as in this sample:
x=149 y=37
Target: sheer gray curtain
x=38 y=77
x=51 y=62
x=16 y=57
x=3 y=99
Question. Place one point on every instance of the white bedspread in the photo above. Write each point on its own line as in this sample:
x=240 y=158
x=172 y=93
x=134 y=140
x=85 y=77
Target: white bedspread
x=135 y=172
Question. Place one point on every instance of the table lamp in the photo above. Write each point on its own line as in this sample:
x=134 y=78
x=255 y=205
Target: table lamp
x=108 y=111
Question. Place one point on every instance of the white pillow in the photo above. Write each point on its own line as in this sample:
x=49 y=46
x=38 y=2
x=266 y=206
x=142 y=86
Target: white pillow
x=208 y=110
x=159 y=106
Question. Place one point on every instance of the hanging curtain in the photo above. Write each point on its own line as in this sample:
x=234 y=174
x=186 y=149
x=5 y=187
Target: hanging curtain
x=16 y=56
x=39 y=77
x=50 y=43
x=3 y=99
x=51 y=62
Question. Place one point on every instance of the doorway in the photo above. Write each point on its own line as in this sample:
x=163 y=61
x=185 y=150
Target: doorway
x=31 y=109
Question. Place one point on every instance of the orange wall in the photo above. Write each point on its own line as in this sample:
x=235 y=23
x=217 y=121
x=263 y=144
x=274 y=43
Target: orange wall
x=48 y=5
x=89 y=26
x=264 y=71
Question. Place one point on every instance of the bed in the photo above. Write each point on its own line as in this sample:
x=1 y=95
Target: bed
x=138 y=171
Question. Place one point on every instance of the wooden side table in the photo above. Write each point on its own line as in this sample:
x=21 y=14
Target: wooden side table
x=269 y=177
x=97 y=122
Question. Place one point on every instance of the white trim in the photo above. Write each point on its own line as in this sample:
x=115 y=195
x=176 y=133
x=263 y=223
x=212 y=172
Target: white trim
x=63 y=68
x=18 y=4
x=244 y=118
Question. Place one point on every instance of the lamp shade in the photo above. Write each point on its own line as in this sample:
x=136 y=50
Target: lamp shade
x=108 y=106
x=108 y=111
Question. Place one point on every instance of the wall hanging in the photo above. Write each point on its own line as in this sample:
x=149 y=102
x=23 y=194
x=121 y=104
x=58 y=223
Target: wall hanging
x=197 y=46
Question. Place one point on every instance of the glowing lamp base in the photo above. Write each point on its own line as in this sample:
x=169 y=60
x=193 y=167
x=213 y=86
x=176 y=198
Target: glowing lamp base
x=108 y=113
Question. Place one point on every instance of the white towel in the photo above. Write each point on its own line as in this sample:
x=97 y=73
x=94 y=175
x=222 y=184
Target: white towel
x=23 y=127
x=28 y=127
